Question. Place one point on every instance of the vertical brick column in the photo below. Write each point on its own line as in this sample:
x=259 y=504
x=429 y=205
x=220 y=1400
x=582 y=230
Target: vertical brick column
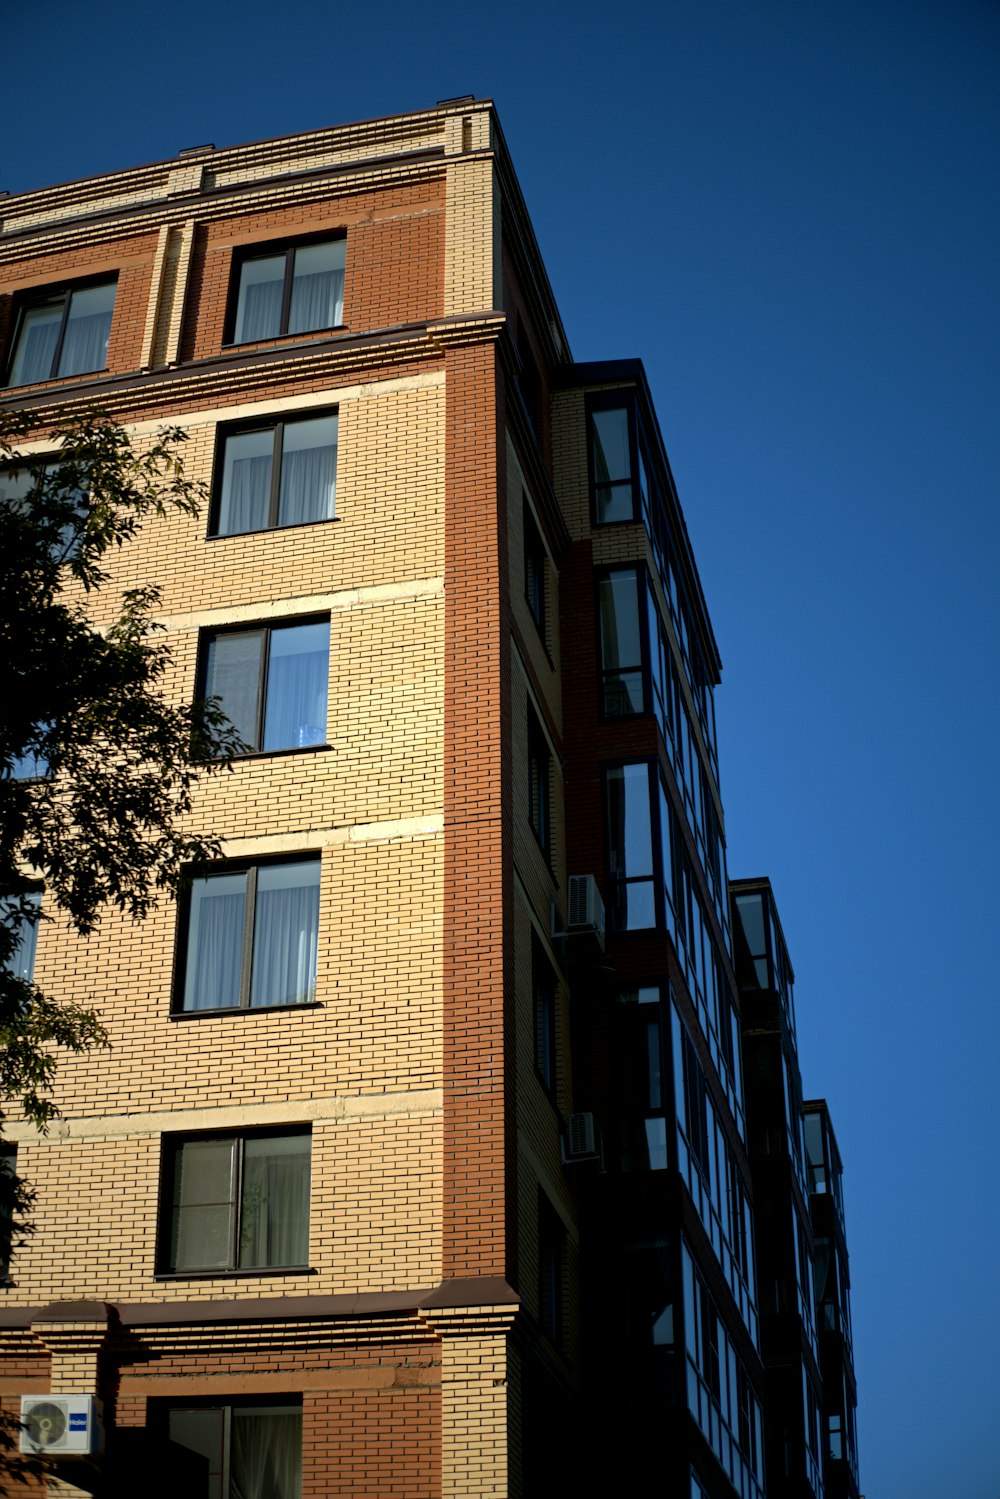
x=474 y=1401
x=476 y=801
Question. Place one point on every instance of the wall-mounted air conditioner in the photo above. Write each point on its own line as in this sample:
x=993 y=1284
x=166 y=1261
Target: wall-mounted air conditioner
x=61 y=1425
x=585 y=908
x=582 y=1140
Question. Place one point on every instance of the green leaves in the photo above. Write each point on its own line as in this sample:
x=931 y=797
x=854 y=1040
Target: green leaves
x=98 y=768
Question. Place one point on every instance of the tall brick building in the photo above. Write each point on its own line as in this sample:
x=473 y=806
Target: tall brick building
x=418 y=1167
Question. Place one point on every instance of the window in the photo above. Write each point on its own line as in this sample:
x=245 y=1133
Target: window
x=251 y=937
x=534 y=570
x=543 y=990
x=63 y=332
x=280 y=475
x=539 y=796
x=643 y=1088
x=551 y=1242
x=272 y=683
x=611 y=465
x=8 y=1171
x=299 y=289
x=235 y=1451
x=22 y=913
x=235 y=1202
x=621 y=645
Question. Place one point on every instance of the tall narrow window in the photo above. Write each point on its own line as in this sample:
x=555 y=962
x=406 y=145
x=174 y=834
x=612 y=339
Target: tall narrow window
x=551 y=1249
x=251 y=937
x=63 y=332
x=295 y=290
x=621 y=644
x=280 y=475
x=8 y=1170
x=235 y=1202
x=630 y=846
x=272 y=683
x=611 y=465
x=24 y=911
x=543 y=989
x=534 y=570
x=539 y=791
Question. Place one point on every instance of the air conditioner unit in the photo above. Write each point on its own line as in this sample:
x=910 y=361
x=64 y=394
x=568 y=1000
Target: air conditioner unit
x=585 y=908
x=582 y=1141
x=61 y=1425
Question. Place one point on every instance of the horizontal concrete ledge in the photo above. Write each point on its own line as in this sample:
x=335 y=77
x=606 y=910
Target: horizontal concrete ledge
x=480 y=1291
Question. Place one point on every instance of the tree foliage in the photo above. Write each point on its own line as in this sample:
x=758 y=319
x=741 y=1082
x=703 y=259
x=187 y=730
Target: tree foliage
x=97 y=766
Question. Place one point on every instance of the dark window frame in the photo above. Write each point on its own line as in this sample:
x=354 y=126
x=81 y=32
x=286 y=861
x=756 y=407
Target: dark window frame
x=539 y=783
x=614 y=400
x=544 y=988
x=265 y=629
x=269 y=250
x=170 y=1150
x=182 y=945
x=26 y=301
x=536 y=572
x=604 y=575
x=161 y=1409
x=240 y=429
x=551 y=1271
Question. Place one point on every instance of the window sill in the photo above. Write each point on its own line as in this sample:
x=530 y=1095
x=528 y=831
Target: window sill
x=57 y=379
x=284 y=338
x=230 y=1010
x=275 y=754
x=326 y=520
x=175 y=1275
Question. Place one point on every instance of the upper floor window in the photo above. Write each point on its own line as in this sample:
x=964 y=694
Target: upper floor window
x=284 y=474
x=272 y=683
x=299 y=289
x=251 y=937
x=612 y=459
x=24 y=911
x=543 y=996
x=62 y=332
x=235 y=1202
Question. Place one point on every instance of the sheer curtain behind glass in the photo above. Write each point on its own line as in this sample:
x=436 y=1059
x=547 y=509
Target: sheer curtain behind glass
x=308 y=472
x=88 y=328
x=215 y=942
x=317 y=287
x=286 y=934
x=258 y=313
x=295 y=712
x=36 y=343
x=274 y=1216
x=265 y=1458
x=246 y=482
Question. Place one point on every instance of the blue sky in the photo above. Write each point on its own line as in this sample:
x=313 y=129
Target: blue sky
x=790 y=212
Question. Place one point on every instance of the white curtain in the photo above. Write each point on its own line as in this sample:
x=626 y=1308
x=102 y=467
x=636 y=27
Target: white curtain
x=274 y=1213
x=308 y=485
x=265 y=1460
x=286 y=933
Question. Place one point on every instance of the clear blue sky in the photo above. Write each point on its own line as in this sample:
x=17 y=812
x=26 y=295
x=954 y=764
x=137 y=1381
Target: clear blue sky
x=789 y=211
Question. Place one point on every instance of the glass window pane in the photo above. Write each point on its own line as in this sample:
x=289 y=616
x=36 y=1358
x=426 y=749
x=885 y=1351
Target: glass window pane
x=201 y=1433
x=36 y=342
x=274 y=1211
x=88 y=328
x=612 y=465
x=258 y=311
x=265 y=1457
x=203 y=1205
x=621 y=644
x=286 y=934
x=233 y=669
x=246 y=482
x=308 y=472
x=22 y=960
x=317 y=287
x=298 y=671
x=215 y=942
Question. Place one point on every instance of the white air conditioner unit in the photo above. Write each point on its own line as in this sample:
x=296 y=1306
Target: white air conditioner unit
x=585 y=908
x=61 y=1425
x=582 y=1141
